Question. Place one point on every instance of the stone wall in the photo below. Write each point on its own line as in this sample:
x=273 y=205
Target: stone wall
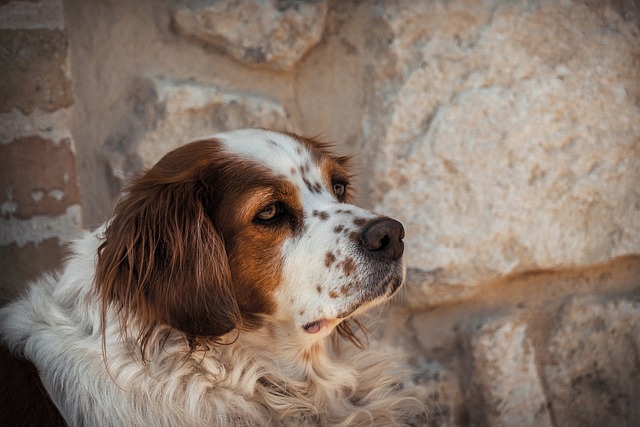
x=505 y=135
x=40 y=202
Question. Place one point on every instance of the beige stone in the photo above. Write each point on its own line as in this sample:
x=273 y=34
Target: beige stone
x=593 y=363
x=274 y=34
x=503 y=381
x=508 y=136
x=171 y=113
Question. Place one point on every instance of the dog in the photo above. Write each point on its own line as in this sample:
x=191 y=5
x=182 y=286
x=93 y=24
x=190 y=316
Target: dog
x=218 y=293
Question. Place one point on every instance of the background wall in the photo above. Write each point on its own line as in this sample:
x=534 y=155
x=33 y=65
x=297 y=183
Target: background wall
x=505 y=135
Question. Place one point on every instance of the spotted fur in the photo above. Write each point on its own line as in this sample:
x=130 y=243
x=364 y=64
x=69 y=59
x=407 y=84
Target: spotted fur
x=208 y=296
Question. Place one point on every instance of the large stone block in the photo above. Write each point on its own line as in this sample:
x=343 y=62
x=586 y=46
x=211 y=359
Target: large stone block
x=503 y=384
x=594 y=359
x=508 y=137
x=169 y=114
x=274 y=34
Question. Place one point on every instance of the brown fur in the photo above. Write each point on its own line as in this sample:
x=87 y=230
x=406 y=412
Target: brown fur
x=188 y=278
x=165 y=260
x=177 y=239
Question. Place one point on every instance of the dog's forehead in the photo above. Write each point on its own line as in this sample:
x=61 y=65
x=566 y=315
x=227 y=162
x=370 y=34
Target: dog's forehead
x=279 y=152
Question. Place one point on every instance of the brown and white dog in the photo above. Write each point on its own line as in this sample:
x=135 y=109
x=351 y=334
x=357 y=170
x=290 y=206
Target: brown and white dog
x=207 y=297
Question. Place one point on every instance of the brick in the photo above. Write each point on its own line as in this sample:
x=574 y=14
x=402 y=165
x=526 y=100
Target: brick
x=31 y=14
x=33 y=70
x=39 y=177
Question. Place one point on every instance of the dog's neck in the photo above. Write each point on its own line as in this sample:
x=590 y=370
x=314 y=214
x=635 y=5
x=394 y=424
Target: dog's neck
x=299 y=355
x=293 y=363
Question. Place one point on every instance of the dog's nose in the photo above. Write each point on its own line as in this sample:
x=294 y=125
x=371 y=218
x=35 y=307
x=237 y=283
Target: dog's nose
x=383 y=237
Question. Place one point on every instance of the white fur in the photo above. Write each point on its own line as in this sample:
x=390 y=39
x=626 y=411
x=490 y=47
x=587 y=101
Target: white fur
x=276 y=375
x=304 y=267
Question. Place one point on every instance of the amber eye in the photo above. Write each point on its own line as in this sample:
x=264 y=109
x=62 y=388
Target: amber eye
x=268 y=213
x=339 y=189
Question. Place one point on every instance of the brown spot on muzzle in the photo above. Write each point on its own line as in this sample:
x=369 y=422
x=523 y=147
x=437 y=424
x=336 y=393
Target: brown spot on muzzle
x=359 y=222
x=348 y=266
x=323 y=215
x=329 y=259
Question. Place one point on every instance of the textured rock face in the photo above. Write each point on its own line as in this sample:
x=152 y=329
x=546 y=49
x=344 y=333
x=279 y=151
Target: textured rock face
x=33 y=70
x=509 y=137
x=594 y=362
x=503 y=374
x=171 y=113
x=274 y=33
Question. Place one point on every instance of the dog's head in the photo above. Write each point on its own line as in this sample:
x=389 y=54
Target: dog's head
x=225 y=232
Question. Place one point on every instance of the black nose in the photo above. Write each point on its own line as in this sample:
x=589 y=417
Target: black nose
x=383 y=237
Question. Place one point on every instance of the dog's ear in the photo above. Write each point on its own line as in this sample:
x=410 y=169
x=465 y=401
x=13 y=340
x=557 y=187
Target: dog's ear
x=162 y=260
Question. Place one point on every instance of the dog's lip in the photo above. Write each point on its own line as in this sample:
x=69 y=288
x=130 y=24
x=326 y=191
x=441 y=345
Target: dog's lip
x=315 y=326
x=388 y=291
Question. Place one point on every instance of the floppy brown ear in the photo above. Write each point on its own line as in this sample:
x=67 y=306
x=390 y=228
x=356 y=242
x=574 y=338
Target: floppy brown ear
x=162 y=259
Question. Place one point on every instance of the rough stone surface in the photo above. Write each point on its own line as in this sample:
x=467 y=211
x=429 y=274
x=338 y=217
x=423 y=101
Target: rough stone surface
x=440 y=387
x=43 y=14
x=509 y=137
x=65 y=227
x=594 y=363
x=33 y=66
x=169 y=114
x=273 y=33
x=54 y=126
x=504 y=383
x=39 y=198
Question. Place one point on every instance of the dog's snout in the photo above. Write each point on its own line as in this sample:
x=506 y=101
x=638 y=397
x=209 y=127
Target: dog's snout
x=383 y=237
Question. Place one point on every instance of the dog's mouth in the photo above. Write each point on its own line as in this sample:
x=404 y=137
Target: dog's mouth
x=315 y=326
x=366 y=301
x=386 y=291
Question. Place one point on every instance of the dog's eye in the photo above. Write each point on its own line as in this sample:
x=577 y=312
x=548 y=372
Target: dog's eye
x=277 y=214
x=339 y=189
x=269 y=213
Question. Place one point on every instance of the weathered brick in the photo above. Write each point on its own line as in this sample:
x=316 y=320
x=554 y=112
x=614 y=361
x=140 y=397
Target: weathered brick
x=31 y=14
x=33 y=70
x=38 y=177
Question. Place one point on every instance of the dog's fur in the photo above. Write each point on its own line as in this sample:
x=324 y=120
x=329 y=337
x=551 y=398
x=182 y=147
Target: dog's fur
x=208 y=296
